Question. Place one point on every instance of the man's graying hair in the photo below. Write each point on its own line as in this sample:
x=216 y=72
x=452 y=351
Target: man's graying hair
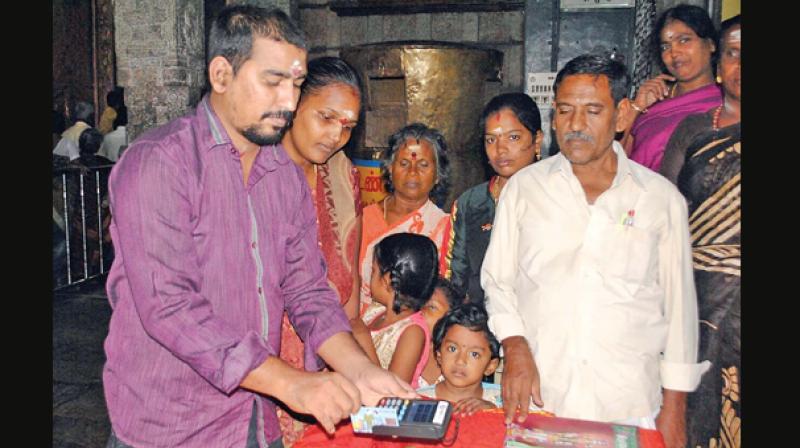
x=235 y=27
x=83 y=111
x=594 y=64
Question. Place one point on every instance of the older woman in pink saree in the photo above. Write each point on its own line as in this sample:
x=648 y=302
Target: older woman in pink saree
x=415 y=175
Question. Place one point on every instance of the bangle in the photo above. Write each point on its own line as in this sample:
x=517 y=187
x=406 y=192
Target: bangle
x=638 y=109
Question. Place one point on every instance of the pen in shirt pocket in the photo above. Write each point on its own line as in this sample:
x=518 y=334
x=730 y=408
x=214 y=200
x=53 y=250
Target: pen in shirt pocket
x=627 y=218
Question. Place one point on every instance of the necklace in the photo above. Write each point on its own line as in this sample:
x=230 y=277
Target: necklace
x=715 y=120
x=384 y=207
x=493 y=189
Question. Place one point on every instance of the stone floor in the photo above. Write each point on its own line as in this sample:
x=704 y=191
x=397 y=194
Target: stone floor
x=80 y=323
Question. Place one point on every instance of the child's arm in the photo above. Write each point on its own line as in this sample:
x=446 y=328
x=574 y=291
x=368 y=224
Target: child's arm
x=471 y=405
x=408 y=352
x=363 y=336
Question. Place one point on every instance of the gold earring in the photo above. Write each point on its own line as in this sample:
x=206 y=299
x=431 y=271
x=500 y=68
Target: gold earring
x=719 y=79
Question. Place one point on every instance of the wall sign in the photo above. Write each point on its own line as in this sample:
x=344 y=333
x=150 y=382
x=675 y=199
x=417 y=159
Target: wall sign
x=539 y=86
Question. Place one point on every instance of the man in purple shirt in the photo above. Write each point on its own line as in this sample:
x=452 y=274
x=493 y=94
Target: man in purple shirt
x=215 y=235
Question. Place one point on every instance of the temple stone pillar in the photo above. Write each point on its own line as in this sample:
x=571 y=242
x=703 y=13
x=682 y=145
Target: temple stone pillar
x=159 y=50
x=104 y=51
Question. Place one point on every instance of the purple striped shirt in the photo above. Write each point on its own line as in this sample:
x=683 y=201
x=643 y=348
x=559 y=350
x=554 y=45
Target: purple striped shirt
x=204 y=268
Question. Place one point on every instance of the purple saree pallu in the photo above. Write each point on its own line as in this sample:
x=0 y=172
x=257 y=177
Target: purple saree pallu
x=651 y=131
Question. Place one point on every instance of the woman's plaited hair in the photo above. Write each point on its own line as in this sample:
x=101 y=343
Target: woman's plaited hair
x=412 y=263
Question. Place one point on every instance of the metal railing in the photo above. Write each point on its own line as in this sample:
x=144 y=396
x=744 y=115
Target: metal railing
x=81 y=243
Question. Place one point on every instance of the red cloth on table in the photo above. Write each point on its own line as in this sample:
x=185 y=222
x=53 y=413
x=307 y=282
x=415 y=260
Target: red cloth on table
x=484 y=429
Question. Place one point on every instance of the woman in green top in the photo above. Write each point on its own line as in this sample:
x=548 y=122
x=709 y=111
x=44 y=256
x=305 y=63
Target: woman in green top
x=512 y=136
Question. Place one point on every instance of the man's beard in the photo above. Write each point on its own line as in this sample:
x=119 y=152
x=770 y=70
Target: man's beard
x=253 y=134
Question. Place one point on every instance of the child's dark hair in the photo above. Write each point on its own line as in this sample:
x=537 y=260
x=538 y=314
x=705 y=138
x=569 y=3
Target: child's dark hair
x=453 y=295
x=90 y=141
x=412 y=263
x=471 y=316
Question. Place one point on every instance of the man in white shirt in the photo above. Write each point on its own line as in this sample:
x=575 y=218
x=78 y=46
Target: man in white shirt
x=589 y=271
x=83 y=116
x=116 y=139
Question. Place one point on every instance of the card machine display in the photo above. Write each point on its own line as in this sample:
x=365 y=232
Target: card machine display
x=403 y=418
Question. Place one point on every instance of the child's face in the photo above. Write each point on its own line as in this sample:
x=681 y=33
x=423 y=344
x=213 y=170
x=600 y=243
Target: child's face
x=380 y=285
x=437 y=306
x=465 y=357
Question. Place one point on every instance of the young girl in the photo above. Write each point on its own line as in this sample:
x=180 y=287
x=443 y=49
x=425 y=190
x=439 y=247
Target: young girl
x=466 y=350
x=393 y=331
x=445 y=297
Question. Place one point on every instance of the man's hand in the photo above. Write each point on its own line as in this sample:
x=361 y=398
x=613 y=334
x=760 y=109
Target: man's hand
x=520 y=378
x=671 y=421
x=328 y=396
x=375 y=383
x=469 y=406
x=344 y=355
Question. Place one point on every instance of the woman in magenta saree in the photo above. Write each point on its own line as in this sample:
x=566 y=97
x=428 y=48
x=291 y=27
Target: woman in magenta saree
x=652 y=131
x=686 y=40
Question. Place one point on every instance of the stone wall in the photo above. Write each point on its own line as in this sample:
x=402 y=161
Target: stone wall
x=501 y=30
x=160 y=53
x=160 y=62
x=83 y=53
x=663 y=5
x=159 y=47
x=72 y=53
x=104 y=44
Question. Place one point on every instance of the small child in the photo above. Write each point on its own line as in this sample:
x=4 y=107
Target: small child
x=466 y=351
x=393 y=331
x=445 y=297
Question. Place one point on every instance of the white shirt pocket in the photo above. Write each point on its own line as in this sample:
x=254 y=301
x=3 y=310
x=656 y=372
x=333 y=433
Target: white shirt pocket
x=629 y=253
